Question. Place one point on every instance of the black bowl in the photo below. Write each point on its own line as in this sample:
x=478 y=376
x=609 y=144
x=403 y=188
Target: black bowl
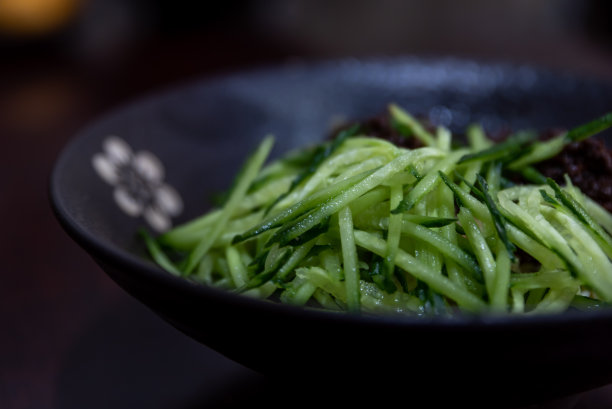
x=202 y=132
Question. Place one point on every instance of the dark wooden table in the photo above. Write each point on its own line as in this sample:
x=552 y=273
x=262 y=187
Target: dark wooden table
x=69 y=337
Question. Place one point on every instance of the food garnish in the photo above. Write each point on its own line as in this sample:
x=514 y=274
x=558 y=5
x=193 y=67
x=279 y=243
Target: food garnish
x=444 y=224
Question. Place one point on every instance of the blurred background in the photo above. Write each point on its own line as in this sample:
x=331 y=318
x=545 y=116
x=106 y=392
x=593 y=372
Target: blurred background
x=69 y=337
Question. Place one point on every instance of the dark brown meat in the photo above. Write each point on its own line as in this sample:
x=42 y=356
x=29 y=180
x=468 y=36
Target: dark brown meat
x=588 y=164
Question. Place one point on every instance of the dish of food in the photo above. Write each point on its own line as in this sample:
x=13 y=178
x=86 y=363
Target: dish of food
x=360 y=224
x=203 y=132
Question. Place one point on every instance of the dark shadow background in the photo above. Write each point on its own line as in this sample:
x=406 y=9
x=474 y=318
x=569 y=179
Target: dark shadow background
x=70 y=338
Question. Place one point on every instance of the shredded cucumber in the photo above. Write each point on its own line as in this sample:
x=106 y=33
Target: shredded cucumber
x=361 y=225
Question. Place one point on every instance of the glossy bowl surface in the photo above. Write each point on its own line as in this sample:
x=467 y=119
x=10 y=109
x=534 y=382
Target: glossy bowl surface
x=201 y=132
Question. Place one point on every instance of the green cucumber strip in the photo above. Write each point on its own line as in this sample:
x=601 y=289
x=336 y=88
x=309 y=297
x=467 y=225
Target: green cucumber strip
x=428 y=182
x=299 y=253
x=477 y=138
x=594 y=267
x=274 y=254
x=480 y=248
x=331 y=261
x=444 y=138
x=603 y=239
x=540 y=229
x=204 y=272
x=323 y=280
x=599 y=213
x=542 y=279
x=503 y=263
x=423 y=272
x=407 y=125
x=270 y=270
x=414 y=172
x=583 y=303
x=378 y=272
x=471 y=187
x=348 y=172
x=159 y=256
x=326 y=301
x=542 y=150
x=187 y=241
x=349 y=259
x=378 y=222
x=501 y=151
x=239 y=275
x=300 y=208
x=250 y=172
x=262 y=196
x=455 y=272
x=444 y=246
x=538 y=152
x=550 y=200
x=361 y=160
x=429 y=221
x=266 y=179
x=478 y=208
x=191 y=228
x=321 y=154
x=317 y=249
x=257 y=264
x=373 y=300
x=369 y=200
x=243 y=174
x=424 y=252
x=518 y=301
x=304 y=223
x=555 y=301
x=531 y=174
x=394 y=232
x=590 y=128
x=300 y=291
x=498 y=218
x=545 y=256
x=469 y=175
x=432 y=302
x=238 y=270
x=435 y=239
x=494 y=177
x=311 y=234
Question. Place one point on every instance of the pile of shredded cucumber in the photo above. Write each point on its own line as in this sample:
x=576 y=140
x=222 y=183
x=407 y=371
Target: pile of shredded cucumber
x=359 y=224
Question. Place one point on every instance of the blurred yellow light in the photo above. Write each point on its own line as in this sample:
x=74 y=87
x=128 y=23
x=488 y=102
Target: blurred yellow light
x=28 y=17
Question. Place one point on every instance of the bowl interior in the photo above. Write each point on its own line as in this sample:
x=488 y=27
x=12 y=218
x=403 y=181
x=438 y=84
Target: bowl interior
x=202 y=132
